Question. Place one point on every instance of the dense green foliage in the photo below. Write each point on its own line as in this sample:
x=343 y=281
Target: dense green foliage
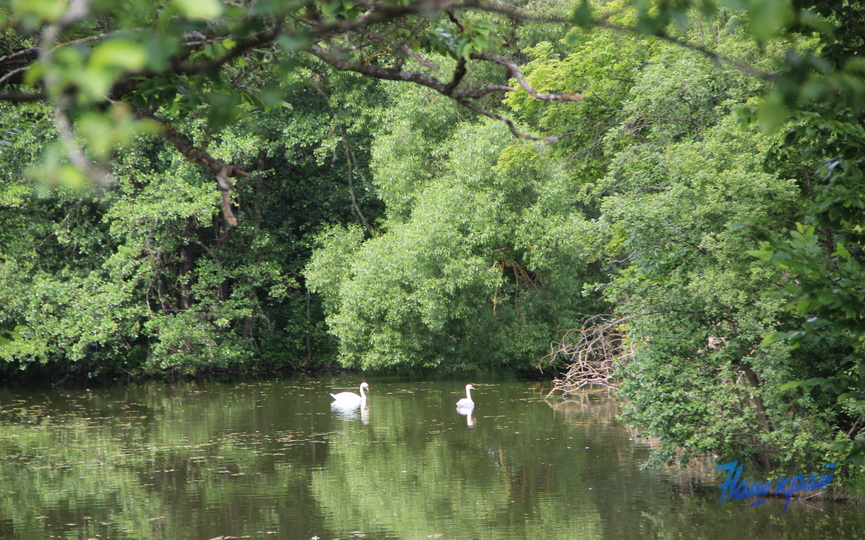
x=483 y=271
x=448 y=186
x=822 y=256
x=146 y=277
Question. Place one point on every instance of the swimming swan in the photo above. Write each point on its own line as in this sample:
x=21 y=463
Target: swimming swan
x=350 y=399
x=466 y=402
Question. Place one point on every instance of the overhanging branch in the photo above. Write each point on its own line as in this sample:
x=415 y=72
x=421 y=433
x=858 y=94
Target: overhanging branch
x=221 y=170
x=510 y=123
x=376 y=72
x=518 y=75
x=463 y=97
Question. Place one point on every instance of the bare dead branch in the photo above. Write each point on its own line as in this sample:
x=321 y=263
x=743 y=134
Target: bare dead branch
x=14 y=75
x=225 y=186
x=13 y=65
x=591 y=353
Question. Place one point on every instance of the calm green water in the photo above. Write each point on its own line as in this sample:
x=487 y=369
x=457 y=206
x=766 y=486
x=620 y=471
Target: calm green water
x=273 y=460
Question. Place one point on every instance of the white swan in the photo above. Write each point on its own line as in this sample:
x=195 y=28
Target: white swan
x=466 y=402
x=350 y=399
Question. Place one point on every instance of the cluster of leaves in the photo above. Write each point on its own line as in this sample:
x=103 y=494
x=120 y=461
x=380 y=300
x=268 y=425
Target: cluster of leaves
x=469 y=270
x=821 y=256
x=147 y=278
x=234 y=88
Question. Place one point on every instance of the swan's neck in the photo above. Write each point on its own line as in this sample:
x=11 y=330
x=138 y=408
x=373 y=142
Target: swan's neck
x=469 y=393
x=362 y=395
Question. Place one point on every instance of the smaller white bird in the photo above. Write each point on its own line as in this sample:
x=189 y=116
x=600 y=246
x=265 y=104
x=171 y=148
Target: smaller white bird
x=350 y=399
x=466 y=402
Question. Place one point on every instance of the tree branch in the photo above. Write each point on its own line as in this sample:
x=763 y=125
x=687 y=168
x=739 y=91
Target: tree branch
x=405 y=49
x=13 y=66
x=76 y=11
x=517 y=74
x=429 y=81
x=194 y=154
x=241 y=46
x=459 y=73
x=22 y=97
x=510 y=123
x=377 y=72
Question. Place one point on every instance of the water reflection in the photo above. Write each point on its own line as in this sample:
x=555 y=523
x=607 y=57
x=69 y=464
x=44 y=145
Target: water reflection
x=469 y=414
x=275 y=459
x=350 y=412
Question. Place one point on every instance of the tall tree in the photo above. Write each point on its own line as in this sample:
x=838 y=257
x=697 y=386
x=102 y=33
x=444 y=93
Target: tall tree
x=822 y=256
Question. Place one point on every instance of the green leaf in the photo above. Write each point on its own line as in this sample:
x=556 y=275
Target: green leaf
x=815 y=21
x=735 y=5
x=119 y=53
x=159 y=49
x=792 y=384
x=41 y=10
x=294 y=42
x=768 y=17
x=772 y=113
x=842 y=251
x=200 y=9
x=774 y=337
x=856 y=64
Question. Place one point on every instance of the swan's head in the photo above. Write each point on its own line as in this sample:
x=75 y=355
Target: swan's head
x=364 y=386
x=470 y=387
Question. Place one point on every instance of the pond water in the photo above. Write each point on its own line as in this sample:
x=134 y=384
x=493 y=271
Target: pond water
x=272 y=459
